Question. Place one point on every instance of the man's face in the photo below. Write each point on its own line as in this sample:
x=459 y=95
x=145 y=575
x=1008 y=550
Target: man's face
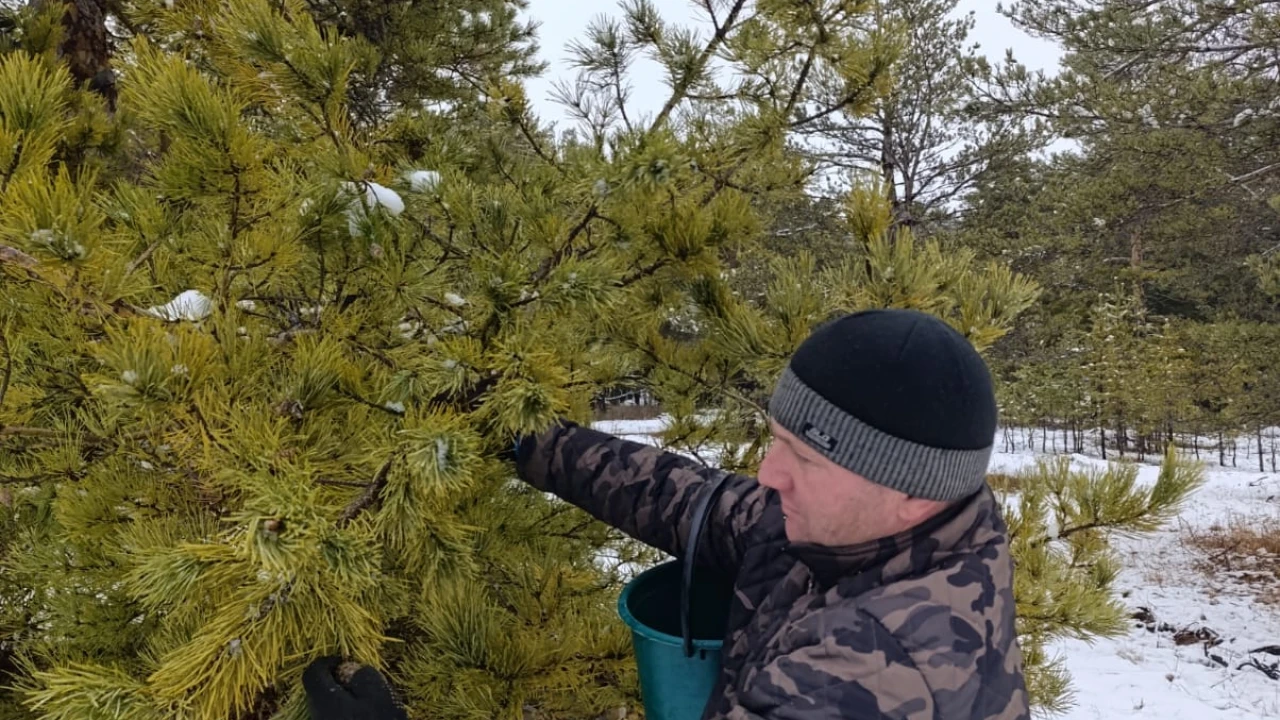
x=828 y=505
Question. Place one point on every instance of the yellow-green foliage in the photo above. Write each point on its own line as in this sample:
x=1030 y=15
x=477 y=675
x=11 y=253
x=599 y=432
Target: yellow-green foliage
x=1061 y=521
x=251 y=406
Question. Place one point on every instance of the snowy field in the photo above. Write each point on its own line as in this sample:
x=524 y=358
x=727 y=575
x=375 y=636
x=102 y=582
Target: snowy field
x=1188 y=655
x=1148 y=674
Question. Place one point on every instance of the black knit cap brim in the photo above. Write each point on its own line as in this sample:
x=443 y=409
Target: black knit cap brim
x=896 y=396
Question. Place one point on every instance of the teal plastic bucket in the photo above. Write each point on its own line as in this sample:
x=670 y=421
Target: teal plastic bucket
x=675 y=681
x=678 y=619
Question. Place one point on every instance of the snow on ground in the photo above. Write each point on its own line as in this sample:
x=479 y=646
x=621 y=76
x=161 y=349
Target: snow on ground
x=1146 y=674
x=629 y=428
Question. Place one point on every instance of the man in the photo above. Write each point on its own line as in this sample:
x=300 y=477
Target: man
x=870 y=561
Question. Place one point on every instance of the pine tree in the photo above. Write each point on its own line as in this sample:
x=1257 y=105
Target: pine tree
x=264 y=342
x=930 y=139
x=1188 y=82
x=1061 y=524
x=262 y=350
x=1183 y=82
x=714 y=378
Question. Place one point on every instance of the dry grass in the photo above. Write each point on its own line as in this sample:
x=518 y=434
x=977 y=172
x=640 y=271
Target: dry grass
x=1156 y=576
x=1002 y=482
x=1243 y=549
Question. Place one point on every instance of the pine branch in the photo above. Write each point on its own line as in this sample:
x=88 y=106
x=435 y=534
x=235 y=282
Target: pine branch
x=20 y=479
x=550 y=263
x=446 y=245
x=146 y=255
x=709 y=6
x=620 y=98
x=573 y=533
x=682 y=88
x=20 y=431
x=1093 y=525
x=1230 y=181
x=369 y=403
x=370 y=496
x=340 y=483
x=445 y=306
x=8 y=367
x=537 y=146
x=375 y=353
x=835 y=107
x=800 y=82
x=87 y=438
x=644 y=272
x=233 y=223
x=321 y=119
x=13 y=166
x=701 y=380
x=467 y=401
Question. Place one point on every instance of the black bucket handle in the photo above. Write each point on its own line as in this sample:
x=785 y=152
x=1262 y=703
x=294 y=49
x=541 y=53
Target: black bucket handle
x=696 y=524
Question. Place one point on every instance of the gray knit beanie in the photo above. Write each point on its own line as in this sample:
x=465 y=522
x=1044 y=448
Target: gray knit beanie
x=896 y=396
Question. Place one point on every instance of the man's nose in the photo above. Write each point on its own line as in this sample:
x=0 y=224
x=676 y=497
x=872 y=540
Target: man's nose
x=772 y=477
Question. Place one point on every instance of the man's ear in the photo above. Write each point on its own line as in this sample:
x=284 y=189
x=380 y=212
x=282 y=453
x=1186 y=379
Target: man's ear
x=913 y=510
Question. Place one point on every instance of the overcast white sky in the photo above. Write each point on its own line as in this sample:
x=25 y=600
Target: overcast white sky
x=563 y=21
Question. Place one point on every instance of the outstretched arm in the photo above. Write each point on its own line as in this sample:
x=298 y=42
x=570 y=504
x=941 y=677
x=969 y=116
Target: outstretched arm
x=645 y=492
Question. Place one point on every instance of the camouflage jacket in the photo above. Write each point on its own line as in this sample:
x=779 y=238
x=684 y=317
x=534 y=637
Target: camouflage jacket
x=914 y=627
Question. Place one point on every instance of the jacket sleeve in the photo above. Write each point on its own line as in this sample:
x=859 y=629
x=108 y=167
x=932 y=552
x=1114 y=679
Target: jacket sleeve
x=644 y=492
x=847 y=667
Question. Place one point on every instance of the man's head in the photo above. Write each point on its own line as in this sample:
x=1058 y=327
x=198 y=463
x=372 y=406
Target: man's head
x=881 y=420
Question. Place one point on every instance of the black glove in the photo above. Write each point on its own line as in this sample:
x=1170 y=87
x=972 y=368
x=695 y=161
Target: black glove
x=366 y=696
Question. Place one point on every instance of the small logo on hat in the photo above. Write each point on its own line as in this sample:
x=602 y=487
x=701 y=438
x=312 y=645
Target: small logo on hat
x=823 y=440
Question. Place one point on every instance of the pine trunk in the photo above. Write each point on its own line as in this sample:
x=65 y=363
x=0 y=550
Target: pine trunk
x=1261 y=455
x=1135 y=264
x=85 y=47
x=1273 y=451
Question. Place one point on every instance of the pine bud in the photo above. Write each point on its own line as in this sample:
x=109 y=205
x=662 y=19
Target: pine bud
x=274 y=526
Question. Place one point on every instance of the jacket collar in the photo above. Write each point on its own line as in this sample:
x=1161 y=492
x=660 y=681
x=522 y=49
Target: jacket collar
x=967 y=524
